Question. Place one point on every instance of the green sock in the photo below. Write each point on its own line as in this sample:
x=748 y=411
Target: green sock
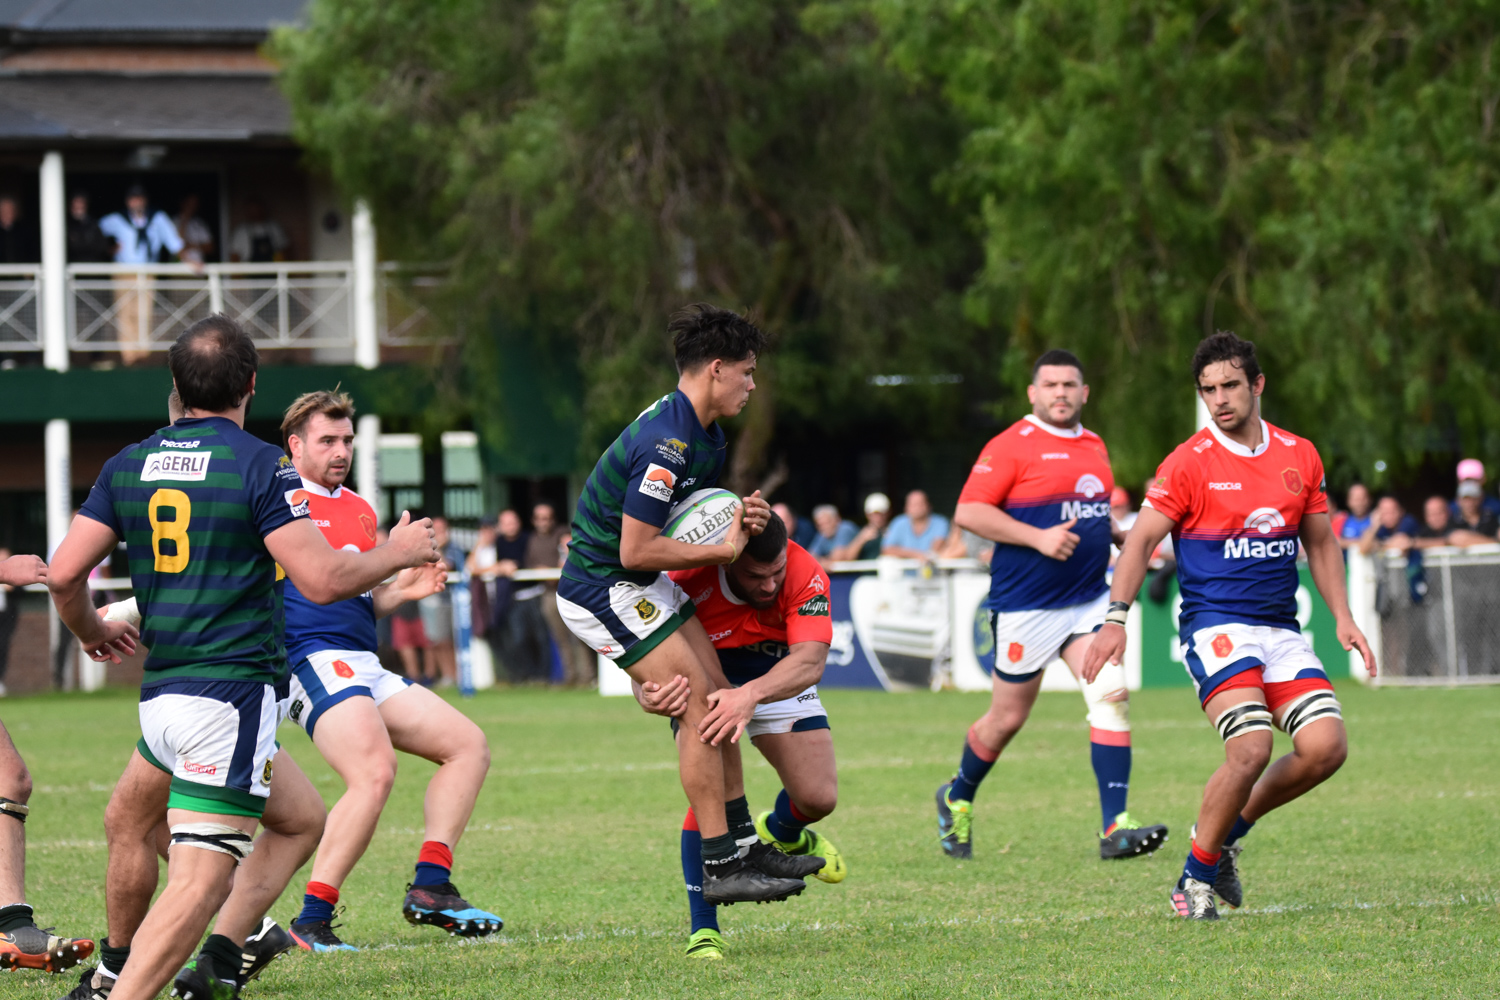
x=14 y=916
x=227 y=956
x=741 y=826
x=113 y=959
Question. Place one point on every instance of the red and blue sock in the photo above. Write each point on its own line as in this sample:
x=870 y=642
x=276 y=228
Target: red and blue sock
x=1110 y=752
x=703 y=914
x=1241 y=827
x=972 y=768
x=786 y=821
x=434 y=864
x=318 y=903
x=1201 y=865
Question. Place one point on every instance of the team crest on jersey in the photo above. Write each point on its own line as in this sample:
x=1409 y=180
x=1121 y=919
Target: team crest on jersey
x=658 y=482
x=1263 y=519
x=647 y=610
x=265 y=775
x=1089 y=485
x=672 y=450
x=1292 y=480
x=368 y=524
x=343 y=669
x=1016 y=652
x=1222 y=646
x=814 y=607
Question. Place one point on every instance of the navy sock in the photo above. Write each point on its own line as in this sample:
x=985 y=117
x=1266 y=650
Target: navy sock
x=703 y=914
x=318 y=903
x=1201 y=865
x=785 y=823
x=434 y=864
x=1112 y=771
x=972 y=768
x=1241 y=827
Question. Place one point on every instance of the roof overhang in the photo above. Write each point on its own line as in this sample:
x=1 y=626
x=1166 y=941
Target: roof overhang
x=90 y=107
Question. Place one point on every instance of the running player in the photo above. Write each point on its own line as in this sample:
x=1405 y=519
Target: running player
x=768 y=616
x=614 y=594
x=204 y=509
x=359 y=714
x=1236 y=497
x=1040 y=491
x=24 y=945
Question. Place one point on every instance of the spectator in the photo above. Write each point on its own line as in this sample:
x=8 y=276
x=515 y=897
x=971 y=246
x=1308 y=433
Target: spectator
x=141 y=237
x=385 y=649
x=259 y=239
x=10 y=610
x=197 y=237
x=798 y=530
x=481 y=584
x=545 y=551
x=87 y=243
x=518 y=624
x=963 y=544
x=1472 y=470
x=866 y=542
x=833 y=532
x=17 y=245
x=1357 y=521
x=1475 y=524
x=917 y=532
x=436 y=611
x=1390 y=528
x=1435 y=524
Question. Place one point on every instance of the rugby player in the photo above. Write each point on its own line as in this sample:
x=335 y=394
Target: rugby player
x=24 y=945
x=1040 y=491
x=615 y=596
x=205 y=510
x=768 y=616
x=359 y=714
x=1237 y=496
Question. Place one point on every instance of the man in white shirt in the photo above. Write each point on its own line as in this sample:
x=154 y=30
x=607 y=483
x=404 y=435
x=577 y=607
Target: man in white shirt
x=141 y=237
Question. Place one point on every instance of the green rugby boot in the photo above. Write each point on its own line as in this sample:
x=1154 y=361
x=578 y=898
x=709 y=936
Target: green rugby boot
x=955 y=816
x=706 y=945
x=811 y=842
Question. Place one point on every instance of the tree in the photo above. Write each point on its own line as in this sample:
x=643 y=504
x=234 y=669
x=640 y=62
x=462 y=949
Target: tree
x=584 y=167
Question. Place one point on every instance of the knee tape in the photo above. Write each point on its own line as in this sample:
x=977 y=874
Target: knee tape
x=1246 y=717
x=1110 y=716
x=15 y=810
x=1309 y=707
x=214 y=837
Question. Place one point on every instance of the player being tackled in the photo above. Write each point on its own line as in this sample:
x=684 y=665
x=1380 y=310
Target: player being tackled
x=769 y=616
x=1040 y=491
x=1238 y=497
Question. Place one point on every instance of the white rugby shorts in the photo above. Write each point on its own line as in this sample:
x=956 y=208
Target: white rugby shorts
x=217 y=739
x=797 y=714
x=1215 y=654
x=321 y=680
x=624 y=621
x=1026 y=641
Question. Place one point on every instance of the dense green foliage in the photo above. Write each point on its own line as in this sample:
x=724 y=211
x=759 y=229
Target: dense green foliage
x=1381 y=883
x=1119 y=178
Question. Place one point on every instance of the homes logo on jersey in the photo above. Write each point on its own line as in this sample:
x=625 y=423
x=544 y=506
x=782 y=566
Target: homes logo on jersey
x=298 y=501
x=178 y=466
x=1292 y=480
x=1262 y=520
x=658 y=482
x=814 y=607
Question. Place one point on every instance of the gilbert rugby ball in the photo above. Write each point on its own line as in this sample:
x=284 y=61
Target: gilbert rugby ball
x=703 y=517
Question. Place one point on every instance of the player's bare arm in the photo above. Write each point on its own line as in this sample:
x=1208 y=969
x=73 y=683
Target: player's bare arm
x=643 y=546
x=411 y=584
x=88 y=543
x=1325 y=559
x=1150 y=527
x=23 y=571
x=990 y=522
x=731 y=709
x=325 y=574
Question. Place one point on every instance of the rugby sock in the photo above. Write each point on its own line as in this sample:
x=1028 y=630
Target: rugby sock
x=718 y=852
x=14 y=916
x=704 y=914
x=1201 y=865
x=1241 y=827
x=227 y=956
x=434 y=864
x=972 y=767
x=741 y=826
x=318 y=903
x=111 y=959
x=1112 y=771
x=786 y=823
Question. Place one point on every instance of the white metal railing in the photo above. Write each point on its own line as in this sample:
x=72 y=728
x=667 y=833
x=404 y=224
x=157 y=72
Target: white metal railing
x=1436 y=618
x=20 y=307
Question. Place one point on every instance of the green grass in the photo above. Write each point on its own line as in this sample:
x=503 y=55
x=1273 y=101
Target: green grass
x=1382 y=883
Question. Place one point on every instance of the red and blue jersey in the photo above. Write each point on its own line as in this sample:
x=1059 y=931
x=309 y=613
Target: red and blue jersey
x=348 y=522
x=1045 y=476
x=1238 y=515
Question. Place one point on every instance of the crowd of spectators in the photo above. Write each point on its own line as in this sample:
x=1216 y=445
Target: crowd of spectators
x=1470 y=518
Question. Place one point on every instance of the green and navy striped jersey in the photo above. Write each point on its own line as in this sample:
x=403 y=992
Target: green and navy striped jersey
x=193 y=504
x=663 y=455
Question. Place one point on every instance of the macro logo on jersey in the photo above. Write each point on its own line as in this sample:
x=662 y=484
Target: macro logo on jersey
x=348 y=523
x=1088 y=484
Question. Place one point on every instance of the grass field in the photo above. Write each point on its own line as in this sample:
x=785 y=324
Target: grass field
x=1383 y=883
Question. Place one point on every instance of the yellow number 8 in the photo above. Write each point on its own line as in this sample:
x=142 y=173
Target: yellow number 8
x=174 y=530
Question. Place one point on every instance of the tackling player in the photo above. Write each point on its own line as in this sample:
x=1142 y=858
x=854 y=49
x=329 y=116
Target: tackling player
x=1040 y=491
x=359 y=714
x=204 y=509
x=1237 y=496
x=769 y=617
x=24 y=945
x=615 y=596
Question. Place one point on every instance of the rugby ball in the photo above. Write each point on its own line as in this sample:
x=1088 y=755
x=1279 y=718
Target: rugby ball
x=703 y=517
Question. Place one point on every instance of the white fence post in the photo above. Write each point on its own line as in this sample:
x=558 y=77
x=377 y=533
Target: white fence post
x=59 y=466
x=1361 y=586
x=364 y=287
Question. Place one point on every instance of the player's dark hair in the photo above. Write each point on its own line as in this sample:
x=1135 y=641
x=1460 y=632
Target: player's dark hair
x=702 y=333
x=1223 y=345
x=212 y=364
x=769 y=544
x=1057 y=356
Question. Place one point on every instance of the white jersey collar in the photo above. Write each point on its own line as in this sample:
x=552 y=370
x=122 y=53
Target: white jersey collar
x=724 y=588
x=1235 y=448
x=314 y=488
x=1071 y=432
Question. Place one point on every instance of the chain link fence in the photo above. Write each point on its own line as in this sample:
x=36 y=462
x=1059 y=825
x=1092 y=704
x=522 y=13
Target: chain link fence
x=1439 y=616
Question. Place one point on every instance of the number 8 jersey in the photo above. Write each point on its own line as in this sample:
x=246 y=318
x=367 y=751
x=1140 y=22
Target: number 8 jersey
x=193 y=504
